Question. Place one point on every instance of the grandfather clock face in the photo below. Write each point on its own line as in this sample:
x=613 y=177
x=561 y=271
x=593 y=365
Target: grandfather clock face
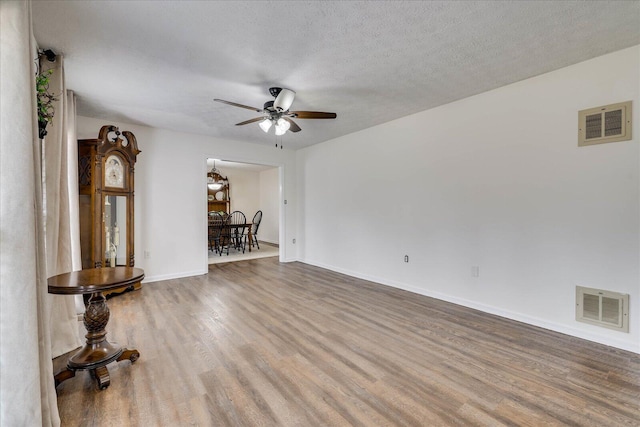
x=114 y=172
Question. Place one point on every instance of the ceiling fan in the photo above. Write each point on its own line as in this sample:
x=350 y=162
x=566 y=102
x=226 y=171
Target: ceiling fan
x=277 y=112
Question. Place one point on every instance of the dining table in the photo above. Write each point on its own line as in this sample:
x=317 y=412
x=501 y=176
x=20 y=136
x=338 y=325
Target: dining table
x=246 y=225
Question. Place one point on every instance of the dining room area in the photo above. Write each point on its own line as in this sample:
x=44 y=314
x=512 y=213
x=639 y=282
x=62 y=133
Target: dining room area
x=242 y=211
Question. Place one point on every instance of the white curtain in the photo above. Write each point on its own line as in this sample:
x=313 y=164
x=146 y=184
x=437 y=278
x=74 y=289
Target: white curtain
x=73 y=190
x=60 y=173
x=27 y=393
x=39 y=235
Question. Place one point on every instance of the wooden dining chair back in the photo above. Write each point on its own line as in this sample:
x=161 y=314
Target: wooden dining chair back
x=255 y=225
x=216 y=221
x=237 y=229
x=225 y=235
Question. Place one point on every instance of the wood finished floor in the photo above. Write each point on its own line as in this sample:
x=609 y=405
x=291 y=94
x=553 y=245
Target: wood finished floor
x=259 y=343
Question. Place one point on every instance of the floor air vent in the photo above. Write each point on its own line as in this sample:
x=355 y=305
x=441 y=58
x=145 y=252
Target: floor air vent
x=602 y=308
x=609 y=123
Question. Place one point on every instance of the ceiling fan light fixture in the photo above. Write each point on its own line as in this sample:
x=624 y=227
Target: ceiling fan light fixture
x=282 y=126
x=284 y=100
x=265 y=125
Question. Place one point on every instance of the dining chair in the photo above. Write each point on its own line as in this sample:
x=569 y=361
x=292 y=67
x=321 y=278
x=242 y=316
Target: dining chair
x=225 y=235
x=255 y=224
x=216 y=221
x=237 y=224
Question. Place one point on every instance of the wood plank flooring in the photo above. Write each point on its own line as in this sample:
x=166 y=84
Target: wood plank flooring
x=259 y=343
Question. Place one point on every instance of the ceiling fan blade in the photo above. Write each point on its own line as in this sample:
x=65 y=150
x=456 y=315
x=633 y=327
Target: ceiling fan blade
x=293 y=125
x=259 y=110
x=246 y=122
x=284 y=99
x=313 y=115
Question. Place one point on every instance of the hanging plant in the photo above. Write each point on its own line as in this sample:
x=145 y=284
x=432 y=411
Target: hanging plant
x=45 y=101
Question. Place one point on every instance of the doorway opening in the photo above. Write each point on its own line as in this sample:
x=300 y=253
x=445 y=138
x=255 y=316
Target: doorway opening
x=248 y=188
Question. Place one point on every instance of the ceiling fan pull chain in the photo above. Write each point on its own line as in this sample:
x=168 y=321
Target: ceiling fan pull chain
x=276 y=137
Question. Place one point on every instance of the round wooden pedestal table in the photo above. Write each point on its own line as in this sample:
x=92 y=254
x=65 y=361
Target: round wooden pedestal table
x=97 y=352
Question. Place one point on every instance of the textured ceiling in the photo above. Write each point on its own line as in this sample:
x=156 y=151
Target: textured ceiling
x=161 y=63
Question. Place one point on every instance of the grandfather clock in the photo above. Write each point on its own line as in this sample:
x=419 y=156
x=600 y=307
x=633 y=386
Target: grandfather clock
x=106 y=178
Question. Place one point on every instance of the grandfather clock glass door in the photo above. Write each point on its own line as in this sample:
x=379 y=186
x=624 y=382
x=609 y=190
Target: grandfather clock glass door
x=115 y=226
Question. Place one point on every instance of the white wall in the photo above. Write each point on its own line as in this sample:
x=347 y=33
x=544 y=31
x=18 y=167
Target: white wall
x=244 y=191
x=170 y=195
x=252 y=191
x=269 y=183
x=496 y=181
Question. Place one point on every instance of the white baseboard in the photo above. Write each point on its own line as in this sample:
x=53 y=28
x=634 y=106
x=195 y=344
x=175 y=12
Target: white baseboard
x=269 y=242
x=160 y=277
x=530 y=320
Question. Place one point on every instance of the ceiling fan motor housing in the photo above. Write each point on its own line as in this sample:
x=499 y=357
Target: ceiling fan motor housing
x=268 y=106
x=275 y=91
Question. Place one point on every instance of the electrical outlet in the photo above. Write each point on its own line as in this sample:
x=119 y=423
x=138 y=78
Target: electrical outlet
x=406 y=258
x=475 y=271
x=147 y=254
x=294 y=241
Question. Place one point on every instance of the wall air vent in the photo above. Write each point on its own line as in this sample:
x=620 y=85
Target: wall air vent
x=609 y=123
x=602 y=308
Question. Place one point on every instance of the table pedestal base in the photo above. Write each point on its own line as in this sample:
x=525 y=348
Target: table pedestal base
x=99 y=372
x=97 y=352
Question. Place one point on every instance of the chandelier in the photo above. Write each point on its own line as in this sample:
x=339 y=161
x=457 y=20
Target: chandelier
x=215 y=181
